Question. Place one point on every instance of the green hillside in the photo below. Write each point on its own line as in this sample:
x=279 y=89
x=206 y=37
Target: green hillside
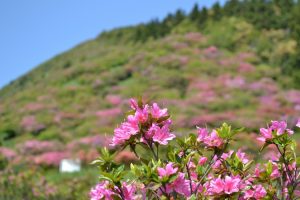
x=237 y=63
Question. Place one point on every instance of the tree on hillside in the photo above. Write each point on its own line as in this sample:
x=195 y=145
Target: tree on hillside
x=194 y=13
x=179 y=17
x=232 y=7
x=217 y=11
x=203 y=16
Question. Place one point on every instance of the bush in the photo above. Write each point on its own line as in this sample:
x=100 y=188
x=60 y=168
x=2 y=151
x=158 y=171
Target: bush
x=200 y=166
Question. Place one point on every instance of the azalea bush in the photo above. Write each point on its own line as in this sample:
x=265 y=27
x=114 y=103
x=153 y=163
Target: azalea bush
x=199 y=166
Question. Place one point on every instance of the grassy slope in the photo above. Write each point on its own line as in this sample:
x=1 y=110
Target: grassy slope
x=224 y=73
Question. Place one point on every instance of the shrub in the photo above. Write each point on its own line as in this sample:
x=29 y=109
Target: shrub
x=200 y=166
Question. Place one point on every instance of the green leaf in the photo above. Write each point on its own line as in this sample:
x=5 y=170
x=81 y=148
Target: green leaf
x=154 y=186
x=269 y=168
x=193 y=197
x=172 y=178
x=264 y=146
x=163 y=119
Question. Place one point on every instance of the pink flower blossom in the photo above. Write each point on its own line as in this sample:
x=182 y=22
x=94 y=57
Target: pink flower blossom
x=242 y=156
x=180 y=185
x=162 y=135
x=157 y=112
x=231 y=184
x=209 y=139
x=213 y=140
x=257 y=170
x=216 y=186
x=257 y=192
x=219 y=186
x=275 y=172
x=224 y=156
x=202 y=161
x=101 y=191
x=278 y=126
x=202 y=133
x=125 y=131
x=128 y=191
x=133 y=104
x=169 y=170
x=298 y=123
x=266 y=134
x=142 y=114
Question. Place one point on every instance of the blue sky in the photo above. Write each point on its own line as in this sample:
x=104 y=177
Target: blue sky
x=33 y=31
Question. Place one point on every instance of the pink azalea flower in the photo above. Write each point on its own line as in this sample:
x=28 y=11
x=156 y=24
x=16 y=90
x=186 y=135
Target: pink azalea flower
x=266 y=134
x=217 y=165
x=213 y=140
x=133 y=104
x=101 y=191
x=275 y=172
x=209 y=139
x=217 y=186
x=257 y=192
x=231 y=184
x=163 y=135
x=202 y=133
x=202 y=161
x=298 y=123
x=242 y=156
x=180 y=185
x=169 y=170
x=226 y=155
x=141 y=115
x=128 y=191
x=257 y=170
x=278 y=126
x=191 y=165
x=292 y=166
x=125 y=131
x=157 y=112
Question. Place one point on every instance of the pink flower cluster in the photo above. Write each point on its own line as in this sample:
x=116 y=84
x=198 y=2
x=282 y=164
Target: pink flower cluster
x=50 y=158
x=104 y=190
x=255 y=192
x=241 y=156
x=7 y=153
x=209 y=139
x=218 y=186
x=274 y=170
x=147 y=123
x=101 y=191
x=277 y=128
x=199 y=166
x=179 y=185
x=36 y=146
x=30 y=123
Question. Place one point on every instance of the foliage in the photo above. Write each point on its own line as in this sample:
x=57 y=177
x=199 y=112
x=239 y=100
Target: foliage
x=198 y=166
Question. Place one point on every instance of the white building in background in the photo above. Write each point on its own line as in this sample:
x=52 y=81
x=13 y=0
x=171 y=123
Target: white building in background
x=69 y=165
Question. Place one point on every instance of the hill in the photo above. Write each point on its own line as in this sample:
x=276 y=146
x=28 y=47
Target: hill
x=229 y=63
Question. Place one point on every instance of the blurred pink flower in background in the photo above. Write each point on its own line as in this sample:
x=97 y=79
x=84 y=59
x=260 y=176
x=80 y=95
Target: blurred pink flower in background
x=29 y=123
x=8 y=153
x=50 y=158
x=36 y=146
x=110 y=112
x=211 y=52
x=113 y=99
